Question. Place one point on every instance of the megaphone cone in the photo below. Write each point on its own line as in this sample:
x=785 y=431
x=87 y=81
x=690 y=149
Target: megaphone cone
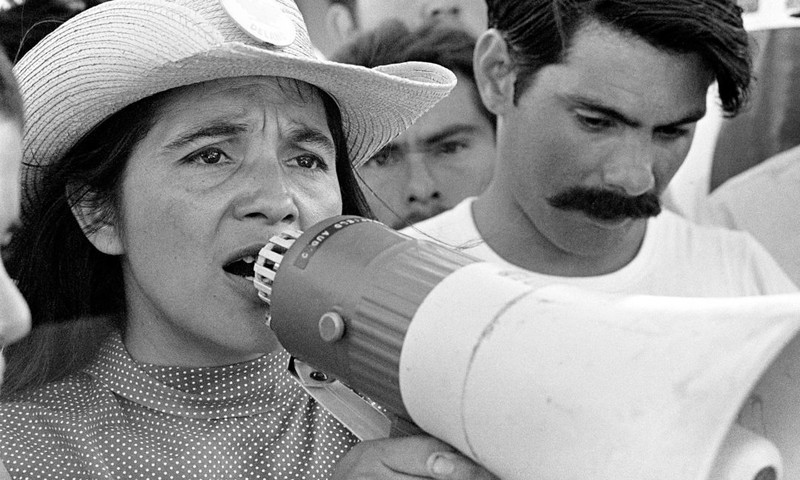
x=565 y=383
x=548 y=383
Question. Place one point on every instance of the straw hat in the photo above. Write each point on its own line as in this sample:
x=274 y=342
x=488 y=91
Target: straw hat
x=122 y=51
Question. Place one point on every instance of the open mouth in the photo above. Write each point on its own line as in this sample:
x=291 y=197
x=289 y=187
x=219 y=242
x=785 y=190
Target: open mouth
x=242 y=267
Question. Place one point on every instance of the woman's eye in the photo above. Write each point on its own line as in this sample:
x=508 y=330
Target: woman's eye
x=311 y=162
x=209 y=156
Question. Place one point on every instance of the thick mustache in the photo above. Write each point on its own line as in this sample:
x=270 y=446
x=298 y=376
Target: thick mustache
x=607 y=204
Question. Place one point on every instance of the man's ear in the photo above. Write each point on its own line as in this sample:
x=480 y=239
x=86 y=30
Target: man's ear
x=98 y=229
x=340 y=23
x=495 y=74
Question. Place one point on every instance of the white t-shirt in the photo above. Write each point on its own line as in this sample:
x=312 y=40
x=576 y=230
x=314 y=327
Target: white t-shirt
x=677 y=258
x=764 y=201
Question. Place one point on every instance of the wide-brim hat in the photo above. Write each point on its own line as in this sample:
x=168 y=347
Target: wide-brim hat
x=122 y=51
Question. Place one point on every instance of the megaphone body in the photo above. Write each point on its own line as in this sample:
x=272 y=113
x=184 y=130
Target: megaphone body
x=541 y=383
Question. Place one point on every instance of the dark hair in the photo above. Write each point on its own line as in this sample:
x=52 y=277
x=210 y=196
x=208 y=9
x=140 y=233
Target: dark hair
x=10 y=99
x=350 y=4
x=540 y=32
x=75 y=292
x=23 y=26
x=434 y=42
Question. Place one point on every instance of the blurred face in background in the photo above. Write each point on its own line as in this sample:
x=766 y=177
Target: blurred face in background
x=342 y=23
x=444 y=157
x=15 y=318
x=470 y=14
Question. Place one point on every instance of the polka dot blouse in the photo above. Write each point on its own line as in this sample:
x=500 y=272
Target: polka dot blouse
x=120 y=419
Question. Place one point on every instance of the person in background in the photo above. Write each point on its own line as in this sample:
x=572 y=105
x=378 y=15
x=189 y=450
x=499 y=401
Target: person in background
x=596 y=106
x=763 y=201
x=167 y=141
x=26 y=23
x=344 y=19
x=15 y=317
x=448 y=154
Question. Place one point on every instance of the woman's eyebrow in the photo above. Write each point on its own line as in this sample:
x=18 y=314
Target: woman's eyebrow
x=214 y=129
x=305 y=135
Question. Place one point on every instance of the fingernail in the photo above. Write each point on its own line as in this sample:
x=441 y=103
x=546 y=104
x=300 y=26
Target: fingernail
x=441 y=464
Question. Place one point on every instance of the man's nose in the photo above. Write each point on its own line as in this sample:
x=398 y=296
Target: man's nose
x=442 y=10
x=422 y=188
x=631 y=170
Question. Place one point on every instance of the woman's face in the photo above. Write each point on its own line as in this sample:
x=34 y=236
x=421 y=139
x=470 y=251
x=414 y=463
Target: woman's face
x=15 y=318
x=227 y=164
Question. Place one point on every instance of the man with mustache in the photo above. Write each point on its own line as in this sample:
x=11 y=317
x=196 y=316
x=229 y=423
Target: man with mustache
x=596 y=105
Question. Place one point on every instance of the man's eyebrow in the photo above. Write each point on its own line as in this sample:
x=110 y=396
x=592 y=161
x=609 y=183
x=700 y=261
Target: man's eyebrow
x=457 y=129
x=303 y=135
x=590 y=104
x=219 y=128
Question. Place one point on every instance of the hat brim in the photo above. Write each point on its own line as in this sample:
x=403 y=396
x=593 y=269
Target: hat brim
x=115 y=54
x=383 y=101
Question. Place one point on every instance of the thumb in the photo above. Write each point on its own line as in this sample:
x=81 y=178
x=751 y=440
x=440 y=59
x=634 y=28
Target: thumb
x=451 y=466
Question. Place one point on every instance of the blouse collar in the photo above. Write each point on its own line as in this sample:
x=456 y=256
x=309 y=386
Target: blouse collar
x=241 y=389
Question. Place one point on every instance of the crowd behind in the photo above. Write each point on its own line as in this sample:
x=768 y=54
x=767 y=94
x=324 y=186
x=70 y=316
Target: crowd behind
x=150 y=146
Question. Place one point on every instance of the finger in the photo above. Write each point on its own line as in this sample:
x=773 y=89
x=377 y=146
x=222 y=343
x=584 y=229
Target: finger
x=453 y=466
x=410 y=455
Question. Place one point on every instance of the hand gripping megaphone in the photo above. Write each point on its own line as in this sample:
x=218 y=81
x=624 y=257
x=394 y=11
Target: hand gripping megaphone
x=541 y=383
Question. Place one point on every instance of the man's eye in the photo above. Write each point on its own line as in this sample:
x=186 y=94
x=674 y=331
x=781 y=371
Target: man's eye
x=594 y=123
x=450 y=148
x=672 y=133
x=311 y=162
x=382 y=159
x=210 y=156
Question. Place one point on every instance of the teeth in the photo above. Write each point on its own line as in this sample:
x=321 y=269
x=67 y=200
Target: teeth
x=249 y=259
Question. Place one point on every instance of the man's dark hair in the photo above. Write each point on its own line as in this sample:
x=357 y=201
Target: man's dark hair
x=434 y=42
x=10 y=99
x=540 y=33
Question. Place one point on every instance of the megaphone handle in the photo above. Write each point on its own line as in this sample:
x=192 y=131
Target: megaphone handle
x=352 y=410
x=402 y=427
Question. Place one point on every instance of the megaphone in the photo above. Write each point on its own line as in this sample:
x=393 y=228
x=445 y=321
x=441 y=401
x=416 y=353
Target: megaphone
x=541 y=383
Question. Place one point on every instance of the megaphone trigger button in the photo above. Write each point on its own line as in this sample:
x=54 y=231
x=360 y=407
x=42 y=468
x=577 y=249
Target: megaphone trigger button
x=331 y=327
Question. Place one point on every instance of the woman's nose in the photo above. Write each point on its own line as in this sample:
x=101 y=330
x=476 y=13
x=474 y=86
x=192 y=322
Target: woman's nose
x=266 y=196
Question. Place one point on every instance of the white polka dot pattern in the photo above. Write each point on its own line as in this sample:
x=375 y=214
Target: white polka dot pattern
x=118 y=419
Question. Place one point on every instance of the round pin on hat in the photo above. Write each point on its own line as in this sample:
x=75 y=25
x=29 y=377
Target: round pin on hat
x=264 y=20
